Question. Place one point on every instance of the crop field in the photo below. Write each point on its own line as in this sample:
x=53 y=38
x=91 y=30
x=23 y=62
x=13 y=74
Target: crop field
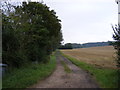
x=98 y=56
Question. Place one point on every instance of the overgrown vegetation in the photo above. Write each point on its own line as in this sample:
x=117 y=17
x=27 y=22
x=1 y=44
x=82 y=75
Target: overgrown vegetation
x=26 y=76
x=30 y=33
x=116 y=44
x=66 y=68
x=107 y=78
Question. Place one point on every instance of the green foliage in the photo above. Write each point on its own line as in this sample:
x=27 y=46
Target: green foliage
x=10 y=44
x=107 y=78
x=31 y=32
x=26 y=76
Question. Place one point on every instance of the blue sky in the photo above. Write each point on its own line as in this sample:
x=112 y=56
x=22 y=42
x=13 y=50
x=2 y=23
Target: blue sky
x=85 y=20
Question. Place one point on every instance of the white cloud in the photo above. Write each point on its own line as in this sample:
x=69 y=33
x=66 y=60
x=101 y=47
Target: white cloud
x=85 y=20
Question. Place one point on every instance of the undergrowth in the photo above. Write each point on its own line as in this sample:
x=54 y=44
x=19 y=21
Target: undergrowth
x=26 y=76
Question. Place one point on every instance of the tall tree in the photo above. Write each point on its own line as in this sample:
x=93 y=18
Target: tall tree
x=37 y=31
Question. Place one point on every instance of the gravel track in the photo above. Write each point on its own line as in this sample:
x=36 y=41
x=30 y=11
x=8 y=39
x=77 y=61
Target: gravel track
x=78 y=78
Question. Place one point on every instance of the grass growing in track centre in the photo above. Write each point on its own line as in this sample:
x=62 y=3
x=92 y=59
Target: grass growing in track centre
x=66 y=68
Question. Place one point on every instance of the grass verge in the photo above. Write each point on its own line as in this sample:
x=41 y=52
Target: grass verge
x=107 y=78
x=66 y=68
x=24 y=77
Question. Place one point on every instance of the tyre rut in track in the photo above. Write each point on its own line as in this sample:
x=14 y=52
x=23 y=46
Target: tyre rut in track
x=78 y=78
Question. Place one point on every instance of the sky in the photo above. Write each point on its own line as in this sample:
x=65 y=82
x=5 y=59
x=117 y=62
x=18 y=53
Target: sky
x=85 y=20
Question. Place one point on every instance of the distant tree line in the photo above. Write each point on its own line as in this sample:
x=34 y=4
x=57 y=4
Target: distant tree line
x=85 y=45
x=66 y=46
x=30 y=33
x=96 y=44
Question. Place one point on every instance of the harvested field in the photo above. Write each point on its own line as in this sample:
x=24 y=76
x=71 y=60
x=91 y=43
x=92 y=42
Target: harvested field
x=99 y=56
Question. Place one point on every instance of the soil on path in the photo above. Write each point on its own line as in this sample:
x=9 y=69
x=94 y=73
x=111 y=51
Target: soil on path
x=78 y=78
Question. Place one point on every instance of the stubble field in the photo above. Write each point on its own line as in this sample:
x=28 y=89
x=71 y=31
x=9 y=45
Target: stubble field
x=98 y=56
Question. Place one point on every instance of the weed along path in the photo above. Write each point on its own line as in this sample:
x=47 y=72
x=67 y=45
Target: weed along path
x=67 y=75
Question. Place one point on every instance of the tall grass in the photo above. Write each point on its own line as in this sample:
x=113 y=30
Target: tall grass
x=24 y=77
x=107 y=78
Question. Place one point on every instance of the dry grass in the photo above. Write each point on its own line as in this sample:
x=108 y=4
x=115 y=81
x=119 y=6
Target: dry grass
x=99 y=56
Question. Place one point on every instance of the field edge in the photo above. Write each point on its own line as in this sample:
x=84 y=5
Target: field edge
x=101 y=75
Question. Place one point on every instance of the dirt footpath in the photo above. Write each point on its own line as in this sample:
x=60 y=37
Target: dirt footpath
x=61 y=79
